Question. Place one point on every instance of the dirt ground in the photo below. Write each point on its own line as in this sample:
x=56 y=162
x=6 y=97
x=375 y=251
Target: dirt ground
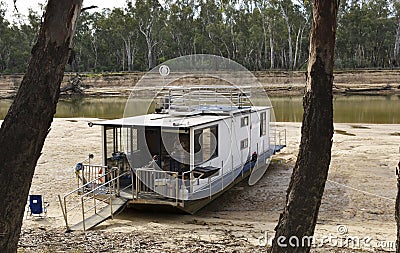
x=358 y=200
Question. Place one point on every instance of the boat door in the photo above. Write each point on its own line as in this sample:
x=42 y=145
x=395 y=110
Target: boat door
x=153 y=142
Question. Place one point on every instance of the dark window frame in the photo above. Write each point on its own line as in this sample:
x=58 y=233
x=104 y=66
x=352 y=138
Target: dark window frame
x=244 y=121
x=244 y=143
x=214 y=129
x=263 y=124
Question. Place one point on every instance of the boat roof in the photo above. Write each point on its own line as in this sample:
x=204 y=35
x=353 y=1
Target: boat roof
x=173 y=121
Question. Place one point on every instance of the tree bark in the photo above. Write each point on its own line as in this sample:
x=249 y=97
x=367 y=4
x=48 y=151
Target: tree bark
x=28 y=121
x=271 y=45
x=309 y=176
x=289 y=30
x=148 y=35
x=397 y=45
x=397 y=208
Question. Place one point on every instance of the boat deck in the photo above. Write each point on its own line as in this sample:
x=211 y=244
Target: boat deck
x=193 y=201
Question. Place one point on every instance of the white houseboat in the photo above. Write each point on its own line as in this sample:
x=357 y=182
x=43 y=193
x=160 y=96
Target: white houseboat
x=199 y=142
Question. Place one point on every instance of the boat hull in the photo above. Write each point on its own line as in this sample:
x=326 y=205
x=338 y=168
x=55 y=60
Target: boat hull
x=191 y=206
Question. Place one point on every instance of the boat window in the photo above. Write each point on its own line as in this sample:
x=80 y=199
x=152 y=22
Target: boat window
x=120 y=139
x=244 y=121
x=129 y=136
x=263 y=124
x=109 y=135
x=205 y=144
x=244 y=143
x=134 y=139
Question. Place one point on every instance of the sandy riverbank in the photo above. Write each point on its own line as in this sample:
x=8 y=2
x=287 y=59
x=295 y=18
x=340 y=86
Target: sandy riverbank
x=364 y=158
x=278 y=83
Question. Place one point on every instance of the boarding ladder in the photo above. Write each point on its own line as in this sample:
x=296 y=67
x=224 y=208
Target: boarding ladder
x=96 y=198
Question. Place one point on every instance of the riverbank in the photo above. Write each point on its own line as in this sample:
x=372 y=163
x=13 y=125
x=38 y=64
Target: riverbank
x=360 y=195
x=282 y=83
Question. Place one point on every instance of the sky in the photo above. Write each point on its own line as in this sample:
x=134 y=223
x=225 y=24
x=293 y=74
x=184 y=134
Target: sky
x=24 y=5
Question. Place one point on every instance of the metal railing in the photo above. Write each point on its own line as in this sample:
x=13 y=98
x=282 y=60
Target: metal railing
x=281 y=137
x=93 y=196
x=181 y=98
x=89 y=173
x=177 y=188
x=164 y=183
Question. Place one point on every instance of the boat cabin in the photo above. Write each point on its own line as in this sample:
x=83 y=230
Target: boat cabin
x=195 y=142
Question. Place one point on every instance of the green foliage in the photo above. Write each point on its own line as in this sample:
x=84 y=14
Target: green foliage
x=256 y=33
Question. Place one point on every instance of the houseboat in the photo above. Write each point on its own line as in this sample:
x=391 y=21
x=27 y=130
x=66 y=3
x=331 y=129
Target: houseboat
x=198 y=143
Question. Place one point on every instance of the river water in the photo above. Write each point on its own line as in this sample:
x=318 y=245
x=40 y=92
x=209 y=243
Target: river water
x=348 y=109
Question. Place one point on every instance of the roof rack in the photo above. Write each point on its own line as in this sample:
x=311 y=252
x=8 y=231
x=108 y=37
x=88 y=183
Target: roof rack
x=181 y=100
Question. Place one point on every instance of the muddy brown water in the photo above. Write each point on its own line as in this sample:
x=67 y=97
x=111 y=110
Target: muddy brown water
x=347 y=109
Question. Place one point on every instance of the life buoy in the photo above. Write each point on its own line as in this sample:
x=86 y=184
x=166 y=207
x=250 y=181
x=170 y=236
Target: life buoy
x=101 y=178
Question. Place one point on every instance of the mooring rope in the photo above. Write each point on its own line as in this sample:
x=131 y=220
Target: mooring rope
x=362 y=191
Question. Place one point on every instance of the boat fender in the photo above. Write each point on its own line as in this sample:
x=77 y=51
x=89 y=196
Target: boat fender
x=101 y=179
x=254 y=157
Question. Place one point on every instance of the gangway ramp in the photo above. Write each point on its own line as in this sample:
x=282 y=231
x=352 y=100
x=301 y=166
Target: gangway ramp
x=104 y=214
x=97 y=200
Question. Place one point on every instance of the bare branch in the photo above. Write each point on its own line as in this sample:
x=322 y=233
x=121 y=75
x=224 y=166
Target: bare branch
x=86 y=8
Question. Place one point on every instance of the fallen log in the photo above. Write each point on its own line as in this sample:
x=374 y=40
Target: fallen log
x=352 y=90
x=74 y=85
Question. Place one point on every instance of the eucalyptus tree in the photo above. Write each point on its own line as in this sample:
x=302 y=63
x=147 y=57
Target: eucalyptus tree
x=267 y=11
x=379 y=29
x=81 y=56
x=396 y=49
x=250 y=39
x=180 y=28
x=4 y=39
x=366 y=34
x=27 y=123
x=307 y=184
x=210 y=30
x=229 y=28
x=150 y=22
x=123 y=24
x=286 y=6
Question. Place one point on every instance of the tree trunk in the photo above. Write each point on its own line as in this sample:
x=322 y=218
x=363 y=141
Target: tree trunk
x=296 y=48
x=289 y=30
x=150 y=56
x=29 y=118
x=147 y=33
x=397 y=45
x=309 y=176
x=127 y=43
x=297 y=52
x=265 y=44
x=271 y=46
x=95 y=51
x=397 y=208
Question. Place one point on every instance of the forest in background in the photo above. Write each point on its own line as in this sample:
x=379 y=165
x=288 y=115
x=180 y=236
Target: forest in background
x=260 y=35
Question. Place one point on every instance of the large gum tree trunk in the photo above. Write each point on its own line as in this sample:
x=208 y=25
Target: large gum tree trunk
x=397 y=208
x=28 y=121
x=309 y=176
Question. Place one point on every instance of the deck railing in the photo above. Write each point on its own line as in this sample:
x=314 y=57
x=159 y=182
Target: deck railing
x=170 y=186
x=181 y=98
x=163 y=183
x=281 y=138
x=93 y=196
x=89 y=173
